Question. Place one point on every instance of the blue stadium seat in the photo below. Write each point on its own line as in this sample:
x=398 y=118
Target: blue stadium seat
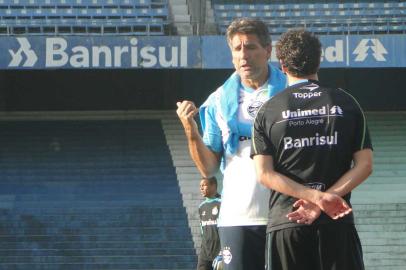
x=381 y=27
x=218 y=7
x=396 y=28
x=354 y=13
x=223 y=15
x=285 y=14
x=251 y=7
x=236 y=7
x=357 y=5
x=264 y=7
x=365 y=28
x=272 y=14
x=339 y=6
x=129 y=13
x=297 y=13
x=10 y=13
x=281 y=7
x=298 y=6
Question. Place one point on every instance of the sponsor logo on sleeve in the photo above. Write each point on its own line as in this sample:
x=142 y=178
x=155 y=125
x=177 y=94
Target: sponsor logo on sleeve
x=317 y=186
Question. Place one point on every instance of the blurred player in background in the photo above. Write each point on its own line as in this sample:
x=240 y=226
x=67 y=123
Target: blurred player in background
x=208 y=214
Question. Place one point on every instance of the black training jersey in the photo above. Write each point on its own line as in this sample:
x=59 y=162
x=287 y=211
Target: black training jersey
x=208 y=213
x=312 y=133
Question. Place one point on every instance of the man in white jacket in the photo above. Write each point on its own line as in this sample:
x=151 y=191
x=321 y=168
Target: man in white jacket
x=227 y=117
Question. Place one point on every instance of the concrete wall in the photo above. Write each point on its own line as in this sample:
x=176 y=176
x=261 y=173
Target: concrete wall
x=376 y=89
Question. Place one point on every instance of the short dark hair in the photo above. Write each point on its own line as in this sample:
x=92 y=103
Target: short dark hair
x=249 y=26
x=299 y=51
x=212 y=180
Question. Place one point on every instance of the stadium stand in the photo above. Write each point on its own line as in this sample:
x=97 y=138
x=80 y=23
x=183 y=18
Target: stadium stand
x=380 y=202
x=383 y=17
x=158 y=17
x=188 y=175
x=141 y=17
x=85 y=195
x=96 y=194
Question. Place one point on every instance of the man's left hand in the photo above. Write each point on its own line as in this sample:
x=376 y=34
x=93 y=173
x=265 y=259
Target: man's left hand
x=306 y=212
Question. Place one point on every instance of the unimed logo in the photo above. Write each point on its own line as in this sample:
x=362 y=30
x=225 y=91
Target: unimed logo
x=24 y=52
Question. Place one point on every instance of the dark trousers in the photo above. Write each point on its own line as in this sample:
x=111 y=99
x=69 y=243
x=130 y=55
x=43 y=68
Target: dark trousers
x=243 y=247
x=315 y=247
x=204 y=264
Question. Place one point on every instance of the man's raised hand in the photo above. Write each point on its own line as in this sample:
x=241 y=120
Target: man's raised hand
x=186 y=111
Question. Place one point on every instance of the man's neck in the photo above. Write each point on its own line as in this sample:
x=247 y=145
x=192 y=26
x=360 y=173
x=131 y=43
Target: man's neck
x=211 y=196
x=254 y=84
x=293 y=79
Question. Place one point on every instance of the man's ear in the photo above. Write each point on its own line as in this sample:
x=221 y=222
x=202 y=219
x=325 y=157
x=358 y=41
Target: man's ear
x=269 y=52
x=283 y=67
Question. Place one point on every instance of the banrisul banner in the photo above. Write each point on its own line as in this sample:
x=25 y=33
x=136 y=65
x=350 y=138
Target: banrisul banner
x=201 y=52
x=71 y=52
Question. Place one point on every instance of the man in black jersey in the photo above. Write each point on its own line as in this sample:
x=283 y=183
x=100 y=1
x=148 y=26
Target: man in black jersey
x=311 y=147
x=208 y=214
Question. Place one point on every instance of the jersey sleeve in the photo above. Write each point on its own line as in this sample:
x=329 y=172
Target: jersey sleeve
x=362 y=137
x=211 y=131
x=260 y=141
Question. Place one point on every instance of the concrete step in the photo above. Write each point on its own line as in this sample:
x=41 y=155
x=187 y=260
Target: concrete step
x=98 y=262
x=372 y=197
x=50 y=238
x=74 y=222
x=385 y=214
x=384 y=262
x=34 y=228
x=371 y=186
x=392 y=249
x=387 y=267
x=95 y=252
x=385 y=180
x=382 y=227
x=98 y=245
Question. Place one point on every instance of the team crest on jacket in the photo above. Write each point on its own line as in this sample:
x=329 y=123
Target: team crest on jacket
x=254 y=108
x=215 y=211
x=227 y=256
